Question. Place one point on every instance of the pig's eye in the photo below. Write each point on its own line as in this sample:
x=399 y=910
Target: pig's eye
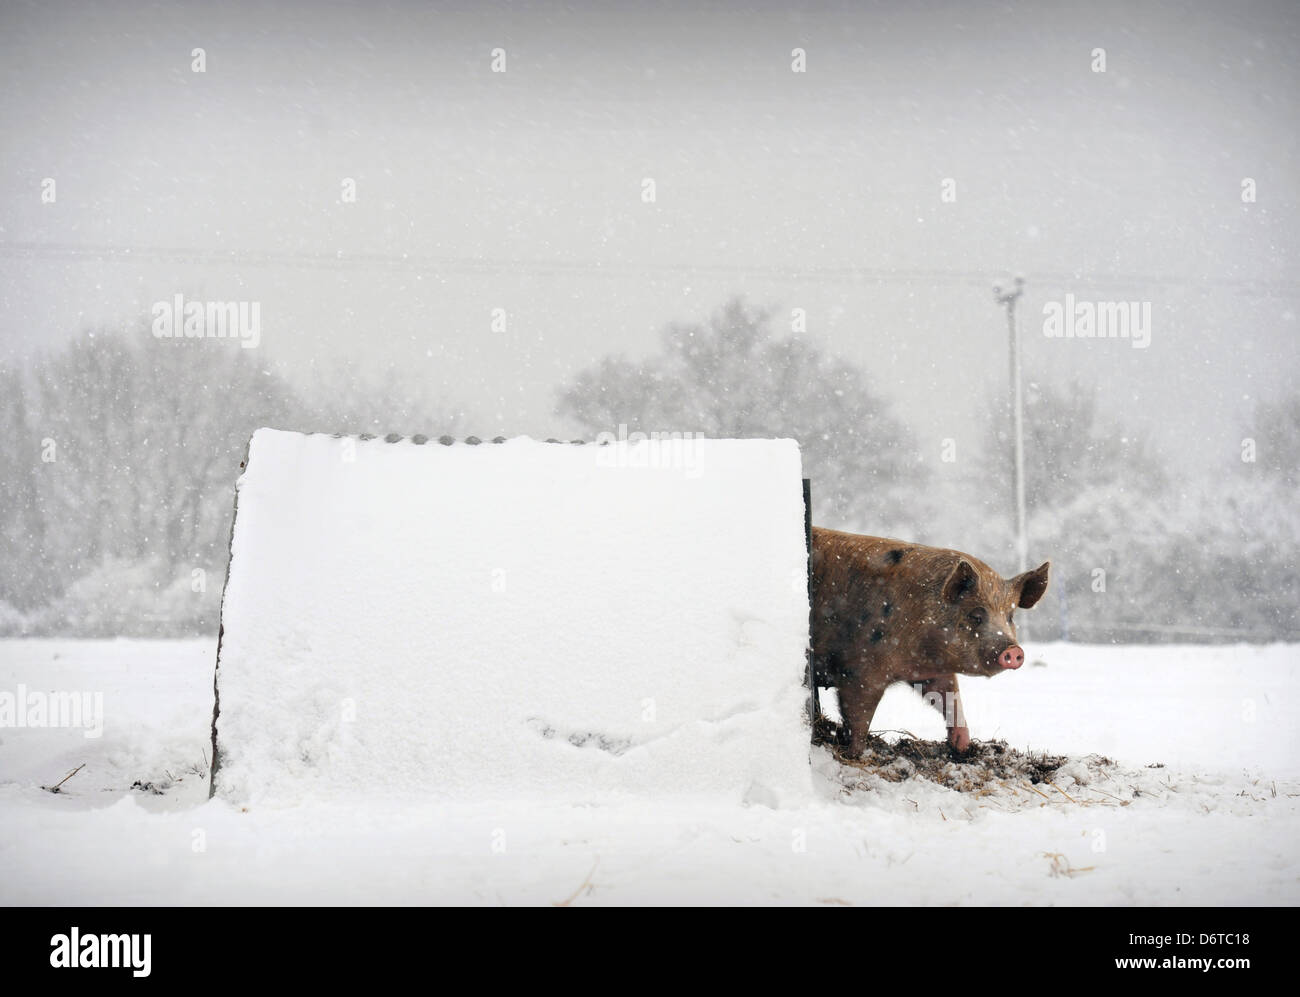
x=978 y=617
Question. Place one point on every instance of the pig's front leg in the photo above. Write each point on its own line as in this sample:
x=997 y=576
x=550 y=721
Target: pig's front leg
x=942 y=693
x=859 y=698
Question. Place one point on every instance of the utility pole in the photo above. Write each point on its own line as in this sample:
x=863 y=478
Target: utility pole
x=1008 y=299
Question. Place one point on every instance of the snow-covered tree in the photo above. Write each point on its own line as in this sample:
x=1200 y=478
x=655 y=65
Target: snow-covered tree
x=135 y=445
x=731 y=376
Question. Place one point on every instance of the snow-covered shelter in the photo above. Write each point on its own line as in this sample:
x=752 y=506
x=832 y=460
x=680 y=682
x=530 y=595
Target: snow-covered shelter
x=514 y=619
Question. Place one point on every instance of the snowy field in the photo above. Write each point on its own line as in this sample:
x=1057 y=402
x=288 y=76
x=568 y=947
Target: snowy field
x=1219 y=823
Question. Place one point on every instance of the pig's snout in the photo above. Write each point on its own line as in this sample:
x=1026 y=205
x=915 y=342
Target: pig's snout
x=1012 y=657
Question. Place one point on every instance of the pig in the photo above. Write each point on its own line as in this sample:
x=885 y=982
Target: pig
x=886 y=611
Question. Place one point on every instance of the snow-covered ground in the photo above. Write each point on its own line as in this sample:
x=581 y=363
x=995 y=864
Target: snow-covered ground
x=1219 y=823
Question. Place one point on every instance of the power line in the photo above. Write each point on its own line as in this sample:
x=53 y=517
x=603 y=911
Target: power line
x=472 y=266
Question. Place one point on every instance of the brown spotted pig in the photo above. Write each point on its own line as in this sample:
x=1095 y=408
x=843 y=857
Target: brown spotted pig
x=887 y=611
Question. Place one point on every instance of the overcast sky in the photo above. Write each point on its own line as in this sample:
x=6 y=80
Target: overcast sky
x=522 y=190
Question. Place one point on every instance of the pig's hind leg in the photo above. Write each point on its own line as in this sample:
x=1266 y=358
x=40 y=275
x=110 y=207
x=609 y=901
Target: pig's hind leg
x=942 y=693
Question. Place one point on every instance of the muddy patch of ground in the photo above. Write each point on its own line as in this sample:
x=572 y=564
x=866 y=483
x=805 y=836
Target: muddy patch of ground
x=985 y=763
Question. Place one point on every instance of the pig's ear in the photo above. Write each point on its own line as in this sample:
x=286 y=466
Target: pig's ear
x=1030 y=586
x=961 y=581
